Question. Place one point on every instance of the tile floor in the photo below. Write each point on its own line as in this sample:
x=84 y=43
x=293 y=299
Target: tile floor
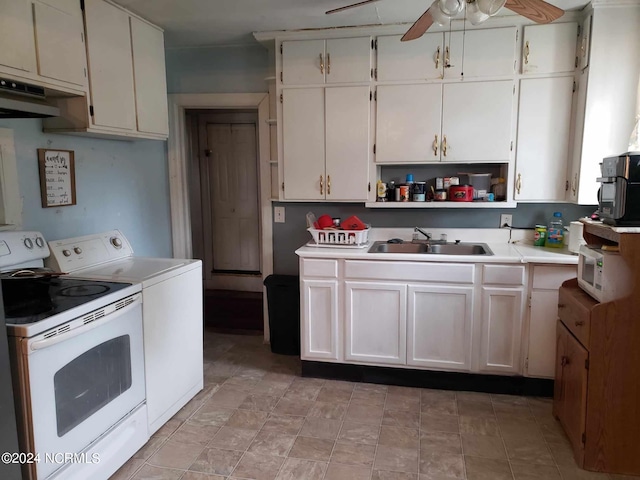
x=258 y=419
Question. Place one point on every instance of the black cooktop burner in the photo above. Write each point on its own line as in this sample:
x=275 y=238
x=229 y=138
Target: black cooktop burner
x=54 y=296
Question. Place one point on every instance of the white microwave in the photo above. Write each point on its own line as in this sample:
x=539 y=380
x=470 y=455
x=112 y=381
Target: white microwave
x=603 y=275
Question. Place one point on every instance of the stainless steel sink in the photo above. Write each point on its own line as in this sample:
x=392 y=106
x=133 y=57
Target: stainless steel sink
x=433 y=249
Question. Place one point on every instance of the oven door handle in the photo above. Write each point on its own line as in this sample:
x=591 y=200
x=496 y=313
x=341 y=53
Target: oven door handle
x=49 y=342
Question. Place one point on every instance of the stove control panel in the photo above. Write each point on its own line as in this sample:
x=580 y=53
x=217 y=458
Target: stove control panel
x=77 y=253
x=20 y=249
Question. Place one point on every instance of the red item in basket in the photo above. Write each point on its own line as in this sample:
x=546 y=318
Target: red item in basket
x=353 y=223
x=325 y=221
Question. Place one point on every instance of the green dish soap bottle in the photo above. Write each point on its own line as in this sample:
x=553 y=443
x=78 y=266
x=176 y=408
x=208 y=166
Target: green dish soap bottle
x=555 y=231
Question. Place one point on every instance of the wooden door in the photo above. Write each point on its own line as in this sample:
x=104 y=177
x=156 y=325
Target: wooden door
x=150 y=76
x=570 y=391
x=440 y=321
x=375 y=322
x=60 y=43
x=408 y=123
x=348 y=60
x=348 y=142
x=544 y=133
x=549 y=48
x=481 y=53
x=303 y=134
x=110 y=65
x=16 y=35
x=319 y=328
x=303 y=62
x=420 y=59
x=501 y=325
x=233 y=188
x=476 y=121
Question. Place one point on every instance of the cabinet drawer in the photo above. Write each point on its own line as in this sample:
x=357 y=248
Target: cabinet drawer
x=551 y=278
x=575 y=316
x=312 y=267
x=410 y=271
x=503 y=274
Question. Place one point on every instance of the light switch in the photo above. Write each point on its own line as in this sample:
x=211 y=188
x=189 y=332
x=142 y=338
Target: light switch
x=278 y=214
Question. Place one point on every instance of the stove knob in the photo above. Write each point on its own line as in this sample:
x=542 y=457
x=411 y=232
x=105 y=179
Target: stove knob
x=66 y=253
x=78 y=250
x=40 y=242
x=28 y=243
x=116 y=242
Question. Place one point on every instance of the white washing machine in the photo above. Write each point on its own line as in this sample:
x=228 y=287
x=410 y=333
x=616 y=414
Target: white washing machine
x=172 y=312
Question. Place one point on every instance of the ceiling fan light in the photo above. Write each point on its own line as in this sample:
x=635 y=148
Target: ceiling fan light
x=451 y=8
x=490 y=7
x=474 y=15
x=439 y=18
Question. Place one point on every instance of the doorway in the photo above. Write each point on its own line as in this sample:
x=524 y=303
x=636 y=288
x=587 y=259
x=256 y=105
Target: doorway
x=225 y=214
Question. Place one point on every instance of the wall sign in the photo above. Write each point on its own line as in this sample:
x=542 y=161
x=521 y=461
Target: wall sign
x=57 y=177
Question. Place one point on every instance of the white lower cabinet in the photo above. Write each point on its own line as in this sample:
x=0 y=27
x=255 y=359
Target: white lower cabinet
x=501 y=325
x=375 y=322
x=319 y=328
x=440 y=321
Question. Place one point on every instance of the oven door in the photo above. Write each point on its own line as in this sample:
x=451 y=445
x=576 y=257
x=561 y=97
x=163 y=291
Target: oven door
x=589 y=270
x=85 y=380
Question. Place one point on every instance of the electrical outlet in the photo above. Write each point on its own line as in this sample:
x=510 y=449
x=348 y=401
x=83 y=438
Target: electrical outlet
x=278 y=214
x=506 y=219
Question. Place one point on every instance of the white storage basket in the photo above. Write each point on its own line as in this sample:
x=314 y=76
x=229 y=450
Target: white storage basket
x=339 y=237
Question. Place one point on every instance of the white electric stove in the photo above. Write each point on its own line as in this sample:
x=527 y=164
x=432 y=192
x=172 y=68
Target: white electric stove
x=172 y=312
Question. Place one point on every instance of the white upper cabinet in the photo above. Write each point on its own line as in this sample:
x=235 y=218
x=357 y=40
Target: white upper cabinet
x=147 y=44
x=544 y=121
x=584 y=42
x=340 y=60
x=16 y=35
x=110 y=65
x=476 y=121
x=549 y=48
x=59 y=34
x=480 y=53
x=420 y=59
x=408 y=123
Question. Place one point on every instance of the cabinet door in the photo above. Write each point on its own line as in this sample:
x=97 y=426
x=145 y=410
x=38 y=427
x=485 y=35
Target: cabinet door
x=543 y=317
x=420 y=59
x=348 y=60
x=375 y=322
x=584 y=42
x=570 y=389
x=303 y=144
x=544 y=127
x=110 y=65
x=319 y=329
x=16 y=35
x=150 y=78
x=476 y=121
x=501 y=329
x=347 y=142
x=60 y=43
x=440 y=321
x=549 y=48
x=489 y=52
x=578 y=115
x=303 y=62
x=408 y=123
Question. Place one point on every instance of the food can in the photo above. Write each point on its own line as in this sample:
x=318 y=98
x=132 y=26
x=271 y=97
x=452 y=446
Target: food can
x=540 y=235
x=461 y=193
x=419 y=192
x=403 y=193
x=440 y=195
x=439 y=183
x=381 y=192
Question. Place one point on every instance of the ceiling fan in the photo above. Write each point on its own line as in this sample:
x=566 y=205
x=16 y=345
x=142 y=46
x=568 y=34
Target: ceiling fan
x=477 y=11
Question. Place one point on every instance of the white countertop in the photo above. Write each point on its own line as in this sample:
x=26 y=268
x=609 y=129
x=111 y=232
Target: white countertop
x=521 y=250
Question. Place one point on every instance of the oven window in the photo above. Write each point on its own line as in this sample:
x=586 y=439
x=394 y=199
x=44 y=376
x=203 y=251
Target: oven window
x=91 y=381
x=588 y=270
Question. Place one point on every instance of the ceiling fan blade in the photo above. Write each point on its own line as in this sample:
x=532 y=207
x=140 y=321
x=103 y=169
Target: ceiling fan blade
x=418 y=28
x=537 y=10
x=347 y=7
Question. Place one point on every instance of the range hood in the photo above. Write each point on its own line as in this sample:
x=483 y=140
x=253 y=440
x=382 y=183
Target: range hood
x=21 y=100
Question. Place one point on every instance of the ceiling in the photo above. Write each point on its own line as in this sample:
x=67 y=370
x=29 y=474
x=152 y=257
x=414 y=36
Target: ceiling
x=194 y=23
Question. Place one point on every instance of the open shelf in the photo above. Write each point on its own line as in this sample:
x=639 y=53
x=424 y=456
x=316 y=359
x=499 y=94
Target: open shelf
x=445 y=205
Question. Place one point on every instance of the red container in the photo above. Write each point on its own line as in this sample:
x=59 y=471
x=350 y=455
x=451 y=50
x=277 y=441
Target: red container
x=461 y=193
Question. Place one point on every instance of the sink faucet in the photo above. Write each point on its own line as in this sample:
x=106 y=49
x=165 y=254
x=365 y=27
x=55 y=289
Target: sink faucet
x=426 y=234
x=429 y=237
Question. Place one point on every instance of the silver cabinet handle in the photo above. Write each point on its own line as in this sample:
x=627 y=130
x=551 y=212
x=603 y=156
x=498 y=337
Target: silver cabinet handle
x=321 y=64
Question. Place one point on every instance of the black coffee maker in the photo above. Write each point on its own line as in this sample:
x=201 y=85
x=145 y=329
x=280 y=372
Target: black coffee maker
x=619 y=196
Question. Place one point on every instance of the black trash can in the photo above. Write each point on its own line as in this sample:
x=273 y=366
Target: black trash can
x=283 y=299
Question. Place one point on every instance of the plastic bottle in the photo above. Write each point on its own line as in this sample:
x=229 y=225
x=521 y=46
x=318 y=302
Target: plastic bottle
x=555 y=231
